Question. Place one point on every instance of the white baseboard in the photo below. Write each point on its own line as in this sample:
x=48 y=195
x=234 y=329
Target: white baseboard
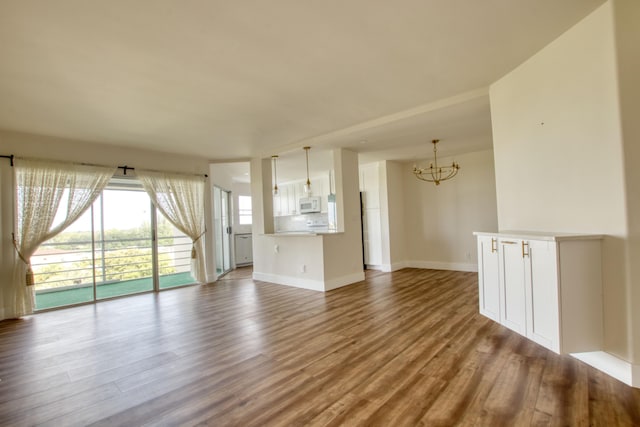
x=437 y=265
x=388 y=268
x=314 y=285
x=611 y=365
x=296 y=282
x=432 y=265
x=339 y=282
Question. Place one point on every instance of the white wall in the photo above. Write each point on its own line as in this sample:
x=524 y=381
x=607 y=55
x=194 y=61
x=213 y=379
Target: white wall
x=558 y=153
x=440 y=220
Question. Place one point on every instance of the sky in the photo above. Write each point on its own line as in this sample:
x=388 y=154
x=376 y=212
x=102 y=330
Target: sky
x=123 y=209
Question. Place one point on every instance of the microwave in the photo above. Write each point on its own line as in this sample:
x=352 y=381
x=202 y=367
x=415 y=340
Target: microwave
x=309 y=204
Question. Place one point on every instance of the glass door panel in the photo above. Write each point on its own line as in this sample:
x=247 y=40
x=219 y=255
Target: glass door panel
x=222 y=229
x=63 y=266
x=226 y=229
x=124 y=255
x=174 y=255
x=217 y=228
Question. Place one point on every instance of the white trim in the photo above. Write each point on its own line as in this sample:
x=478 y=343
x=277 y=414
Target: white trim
x=339 y=282
x=437 y=265
x=314 y=285
x=399 y=266
x=611 y=365
x=388 y=268
x=296 y=282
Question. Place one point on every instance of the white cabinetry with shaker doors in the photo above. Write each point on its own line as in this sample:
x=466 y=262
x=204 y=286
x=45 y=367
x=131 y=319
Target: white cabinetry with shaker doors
x=546 y=287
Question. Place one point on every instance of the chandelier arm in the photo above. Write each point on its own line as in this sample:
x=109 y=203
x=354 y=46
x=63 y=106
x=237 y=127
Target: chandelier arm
x=422 y=177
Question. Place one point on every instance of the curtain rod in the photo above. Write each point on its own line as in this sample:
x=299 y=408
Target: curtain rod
x=125 y=168
x=10 y=157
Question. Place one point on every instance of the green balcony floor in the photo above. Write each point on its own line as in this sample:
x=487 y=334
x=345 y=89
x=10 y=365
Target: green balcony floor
x=63 y=297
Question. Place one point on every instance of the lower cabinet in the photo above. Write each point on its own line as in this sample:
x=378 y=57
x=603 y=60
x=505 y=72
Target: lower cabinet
x=488 y=277
x=543 y=286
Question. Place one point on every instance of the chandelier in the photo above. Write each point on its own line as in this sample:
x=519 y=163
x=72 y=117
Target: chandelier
x=435 y=173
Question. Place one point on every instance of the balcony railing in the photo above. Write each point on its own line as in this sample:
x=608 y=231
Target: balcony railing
x=66 y=272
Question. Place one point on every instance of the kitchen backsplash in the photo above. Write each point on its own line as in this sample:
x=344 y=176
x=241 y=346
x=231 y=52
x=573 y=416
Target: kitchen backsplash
x=306 y=222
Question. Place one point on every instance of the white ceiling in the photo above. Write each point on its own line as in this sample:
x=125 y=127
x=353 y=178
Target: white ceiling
x=229 y=80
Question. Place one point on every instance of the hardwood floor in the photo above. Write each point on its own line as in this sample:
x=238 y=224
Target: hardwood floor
x=403 y=348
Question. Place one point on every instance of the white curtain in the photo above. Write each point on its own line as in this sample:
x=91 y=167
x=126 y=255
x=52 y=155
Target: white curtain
x=180 y=198
x=49 y=197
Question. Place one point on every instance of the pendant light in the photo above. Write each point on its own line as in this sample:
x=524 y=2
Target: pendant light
x=274 y=160
x=307 y=186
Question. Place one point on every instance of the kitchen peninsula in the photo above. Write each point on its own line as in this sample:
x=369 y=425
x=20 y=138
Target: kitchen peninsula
x=320 y=259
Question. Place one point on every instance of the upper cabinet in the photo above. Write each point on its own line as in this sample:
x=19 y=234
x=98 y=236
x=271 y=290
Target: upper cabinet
x=289 y=194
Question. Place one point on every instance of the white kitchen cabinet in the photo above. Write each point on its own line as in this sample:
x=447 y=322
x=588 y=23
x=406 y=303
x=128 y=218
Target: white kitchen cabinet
x=549 y=287
x=286 y=202
x=541 y=272
x=244 y=249
x=488 y=277
x=512 y=285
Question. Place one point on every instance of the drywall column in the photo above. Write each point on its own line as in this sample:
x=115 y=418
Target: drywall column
x=261 y=199
x=385 y=245
x=342 y=252
x=627 y=34
x=393 y=192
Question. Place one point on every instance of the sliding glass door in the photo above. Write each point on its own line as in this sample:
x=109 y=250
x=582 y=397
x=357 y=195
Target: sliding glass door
x=124 y=250
x=121 y=246
x=222 y=232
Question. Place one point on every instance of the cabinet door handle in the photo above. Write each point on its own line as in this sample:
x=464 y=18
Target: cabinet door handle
x=524 y=254
x=508 y=242
x=494 y=245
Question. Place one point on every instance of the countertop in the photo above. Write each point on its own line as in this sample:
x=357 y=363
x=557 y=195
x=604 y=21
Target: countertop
x=538 y=235
x=302 y=233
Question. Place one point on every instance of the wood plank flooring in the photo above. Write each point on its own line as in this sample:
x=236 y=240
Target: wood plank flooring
x=403 y=348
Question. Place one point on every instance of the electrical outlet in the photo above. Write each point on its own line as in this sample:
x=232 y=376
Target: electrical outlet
x=303 y=268
x=276 y=248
